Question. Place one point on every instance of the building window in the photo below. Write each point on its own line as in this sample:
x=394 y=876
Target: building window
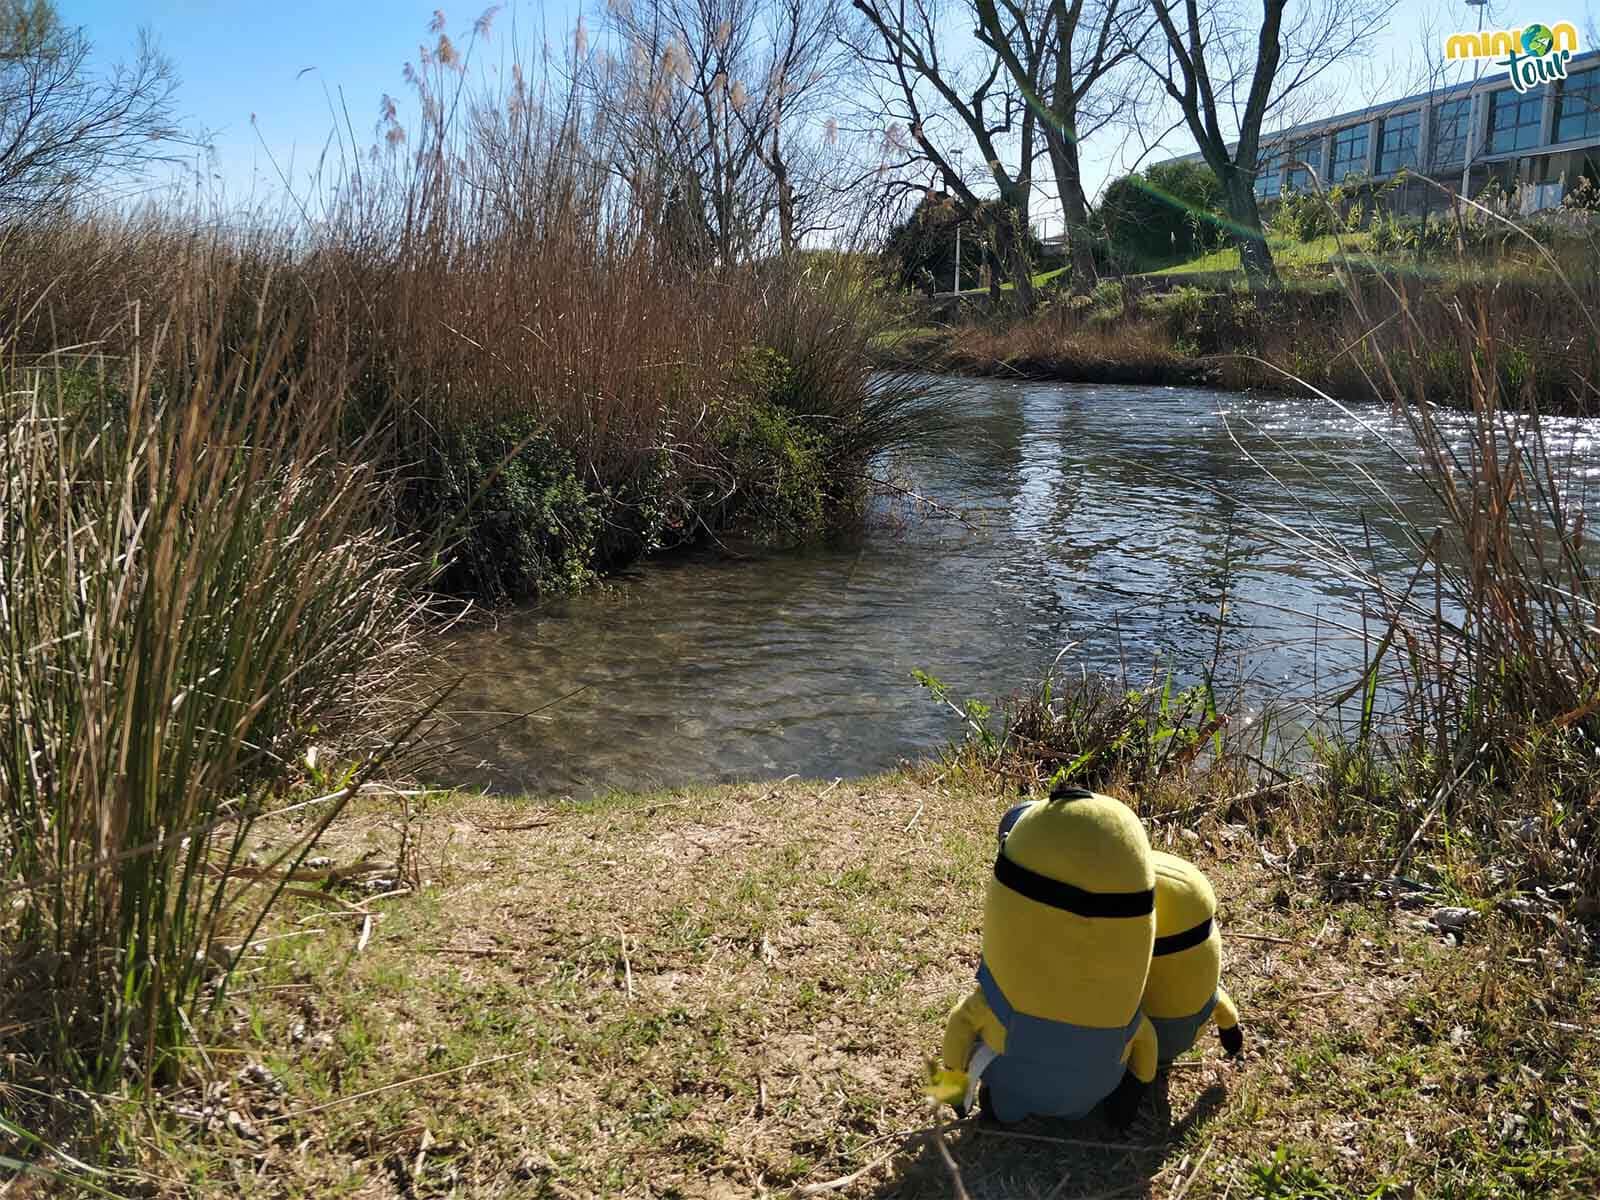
x=1450 y=123
x=1397 y=142
x=1578 y=107
x=1269 y=176
x=1349 y=153
x=1514 y=120
x=1299 y=177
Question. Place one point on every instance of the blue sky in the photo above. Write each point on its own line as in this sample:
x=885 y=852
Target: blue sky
x=244 y=57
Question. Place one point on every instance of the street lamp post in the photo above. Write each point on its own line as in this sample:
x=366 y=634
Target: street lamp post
x=1472 y=94
x=955 y=286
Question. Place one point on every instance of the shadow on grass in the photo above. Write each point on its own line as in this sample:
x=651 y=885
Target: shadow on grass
x=1063 y=1160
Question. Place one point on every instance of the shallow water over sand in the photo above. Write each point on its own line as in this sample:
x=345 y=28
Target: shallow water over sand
x=1131 y=523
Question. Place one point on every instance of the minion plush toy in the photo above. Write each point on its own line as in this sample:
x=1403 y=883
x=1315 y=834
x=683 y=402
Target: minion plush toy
x=1054 y=1026
x=1183 y=993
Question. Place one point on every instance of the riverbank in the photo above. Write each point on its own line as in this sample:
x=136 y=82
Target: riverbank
x=734 y=992
x=1094 y=359
x=1366 y=336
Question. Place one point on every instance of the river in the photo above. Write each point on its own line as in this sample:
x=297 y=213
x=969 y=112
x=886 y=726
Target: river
x=1133 y=526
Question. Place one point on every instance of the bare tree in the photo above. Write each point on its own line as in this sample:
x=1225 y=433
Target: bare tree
x=719 y=107
x=901 y=44
x=1230 y=73
x=807 y=61
x=1057 y=52
x=64 y=127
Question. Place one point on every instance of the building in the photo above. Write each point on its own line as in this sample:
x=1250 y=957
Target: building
x=1537 y=144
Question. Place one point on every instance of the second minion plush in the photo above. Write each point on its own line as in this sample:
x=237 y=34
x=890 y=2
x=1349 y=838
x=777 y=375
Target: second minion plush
x=1054 y=1026
x=1183 y=991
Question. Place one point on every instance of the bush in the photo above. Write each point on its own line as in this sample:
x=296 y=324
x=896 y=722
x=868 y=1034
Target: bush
x=1172 y=212
x=780 y=492
x=1585 y=197
x=1109 y=297
x=1304 y=216
x=1183 y=307
x=524 y=525
x=1388 y=235
x=920 y=251
x=1091 y=731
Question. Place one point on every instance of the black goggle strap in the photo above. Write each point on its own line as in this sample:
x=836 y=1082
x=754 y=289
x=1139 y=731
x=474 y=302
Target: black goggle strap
x=1043 y=890
x=1174 y=942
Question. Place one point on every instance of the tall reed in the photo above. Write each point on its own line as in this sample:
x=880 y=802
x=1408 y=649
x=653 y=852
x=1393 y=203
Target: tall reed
x=1474 y=729
x=196 y=574
x=566 y=386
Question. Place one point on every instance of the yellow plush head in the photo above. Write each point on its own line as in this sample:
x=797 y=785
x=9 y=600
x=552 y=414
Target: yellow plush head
x=1187 y=960
x=1068 y=918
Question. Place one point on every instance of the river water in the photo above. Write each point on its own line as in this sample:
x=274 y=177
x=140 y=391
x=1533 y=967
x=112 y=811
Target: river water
x=1130 y=525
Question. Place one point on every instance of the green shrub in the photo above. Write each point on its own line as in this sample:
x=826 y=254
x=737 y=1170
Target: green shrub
x=1089 y=730
x=1387 y=234
x=1183 y=305
x=1172 y=212
x=1109 y=297
x=1304 y=216
x=521 y=522
x=777 y=468
x=1518 y=369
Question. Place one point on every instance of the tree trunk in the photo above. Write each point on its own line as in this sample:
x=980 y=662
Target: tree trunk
x=780 y=175
x=1075 y=208
x=1254 y=255
x=1011 y=251
x=1008 y=233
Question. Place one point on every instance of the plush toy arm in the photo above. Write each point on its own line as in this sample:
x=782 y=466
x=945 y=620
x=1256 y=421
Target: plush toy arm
x=968 y=1021
x=1143 y=1051
x=1226 y=1015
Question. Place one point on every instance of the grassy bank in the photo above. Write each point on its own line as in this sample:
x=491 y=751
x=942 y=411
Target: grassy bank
x=1288 y=253
x=747 y=1005
x=1374 y=331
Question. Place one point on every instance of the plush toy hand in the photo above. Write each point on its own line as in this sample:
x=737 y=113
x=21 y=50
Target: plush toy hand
x=1226 y=1015
x=1122 y=1106
x=949 y=1087
x=1232 y=1040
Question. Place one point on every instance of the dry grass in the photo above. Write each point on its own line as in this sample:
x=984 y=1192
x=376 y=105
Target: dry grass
x=1348 y=338
x=1058 y=345
x=734 y=992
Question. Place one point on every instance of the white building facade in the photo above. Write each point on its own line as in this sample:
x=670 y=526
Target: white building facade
x=1536 y=144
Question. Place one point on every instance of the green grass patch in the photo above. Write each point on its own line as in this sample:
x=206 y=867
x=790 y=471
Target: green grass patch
x=1287 y=253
